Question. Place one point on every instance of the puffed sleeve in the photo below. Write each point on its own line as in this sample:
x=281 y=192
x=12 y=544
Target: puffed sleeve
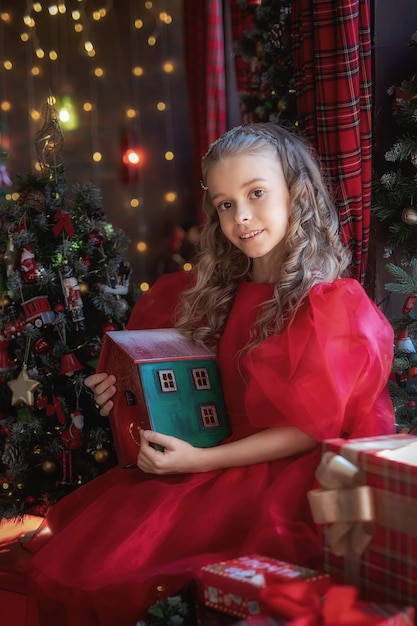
x=327 y=374
x=157 y=307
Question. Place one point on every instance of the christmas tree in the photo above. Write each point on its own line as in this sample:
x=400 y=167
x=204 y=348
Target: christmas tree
x=394 y=202
x=64 y=281
x=266 y=84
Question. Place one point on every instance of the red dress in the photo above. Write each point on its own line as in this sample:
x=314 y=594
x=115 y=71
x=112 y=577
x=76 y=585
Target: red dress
x=121 y=539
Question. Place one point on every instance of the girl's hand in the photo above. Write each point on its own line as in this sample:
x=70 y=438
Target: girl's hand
x=103 y=387
x=175 y=457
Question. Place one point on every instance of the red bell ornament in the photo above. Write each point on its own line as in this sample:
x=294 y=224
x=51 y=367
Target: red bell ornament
x=69 y=364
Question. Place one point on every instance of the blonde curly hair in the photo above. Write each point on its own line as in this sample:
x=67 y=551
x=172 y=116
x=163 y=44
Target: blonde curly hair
x=312 y=250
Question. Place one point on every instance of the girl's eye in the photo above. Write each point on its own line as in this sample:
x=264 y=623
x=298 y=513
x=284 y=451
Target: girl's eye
x=258 y=193
x=223 y=206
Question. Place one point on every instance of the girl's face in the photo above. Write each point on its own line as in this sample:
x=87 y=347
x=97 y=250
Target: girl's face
x=252 y=200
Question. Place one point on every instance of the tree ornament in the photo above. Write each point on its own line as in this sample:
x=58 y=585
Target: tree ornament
x=101 y=455
x=63 y=224
x=96 y=237
x=49 y=140
x=84 y=288
x=49 y=466
x=24 y=415
x=413 y=159
x=72 y=294
x=41 y=346
x=109 y=326
x=69 y=364
x=409 y=216
x=72 y=437
x=28 y=269
x=409 y=303
x=10 y=257
x=23 y=388
x=404 y=342
x=32 y=199
x=5 y=360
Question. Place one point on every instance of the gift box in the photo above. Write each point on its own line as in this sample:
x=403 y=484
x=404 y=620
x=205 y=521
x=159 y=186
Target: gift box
x=233 y=586
x=368 y=508
x=301 y=605
x=165 y=383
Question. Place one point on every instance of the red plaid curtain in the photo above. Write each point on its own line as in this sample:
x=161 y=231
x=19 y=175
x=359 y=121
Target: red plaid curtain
x=205 y=65
x=332 y=71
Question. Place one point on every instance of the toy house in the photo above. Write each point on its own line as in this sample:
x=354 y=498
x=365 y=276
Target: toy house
x=164 y=383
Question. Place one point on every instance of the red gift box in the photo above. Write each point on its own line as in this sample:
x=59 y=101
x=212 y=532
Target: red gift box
x=303 y=606
x=368 y=508
x=233 y=586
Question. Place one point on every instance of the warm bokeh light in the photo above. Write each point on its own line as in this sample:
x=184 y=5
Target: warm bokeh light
x=187 y=267
x=47 y=62
x=170 y=196
x=144 y=287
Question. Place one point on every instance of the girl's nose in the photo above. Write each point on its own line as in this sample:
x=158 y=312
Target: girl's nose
x=242 y=214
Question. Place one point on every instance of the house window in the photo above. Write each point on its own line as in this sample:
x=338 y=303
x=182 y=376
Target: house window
x=209 y=415
x=167 y=380
x=201 y=378
x=130 y=398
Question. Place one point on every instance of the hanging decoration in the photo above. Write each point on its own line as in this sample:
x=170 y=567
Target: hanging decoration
x=49 y=140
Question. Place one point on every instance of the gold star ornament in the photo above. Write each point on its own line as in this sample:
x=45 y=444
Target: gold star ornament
x=23 y=388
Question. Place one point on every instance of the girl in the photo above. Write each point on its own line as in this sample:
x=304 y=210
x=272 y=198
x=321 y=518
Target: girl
x=304 y=355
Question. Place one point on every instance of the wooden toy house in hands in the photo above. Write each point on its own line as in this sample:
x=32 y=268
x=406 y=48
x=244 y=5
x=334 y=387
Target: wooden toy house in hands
x=164 y=383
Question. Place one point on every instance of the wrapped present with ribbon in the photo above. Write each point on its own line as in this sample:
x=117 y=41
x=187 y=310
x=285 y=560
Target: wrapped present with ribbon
x=301 y=605
x=233 y=586
x=367 y=505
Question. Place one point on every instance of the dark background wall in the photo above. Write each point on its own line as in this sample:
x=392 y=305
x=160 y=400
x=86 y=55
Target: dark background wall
x=119 y=46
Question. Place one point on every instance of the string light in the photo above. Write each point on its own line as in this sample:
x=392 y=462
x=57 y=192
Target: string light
x=69 y=22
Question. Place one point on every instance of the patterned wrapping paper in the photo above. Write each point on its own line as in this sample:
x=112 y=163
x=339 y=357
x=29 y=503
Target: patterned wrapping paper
x=233 y=586
x=386 y=570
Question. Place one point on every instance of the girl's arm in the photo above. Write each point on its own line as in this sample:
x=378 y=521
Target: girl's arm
x=181 y=457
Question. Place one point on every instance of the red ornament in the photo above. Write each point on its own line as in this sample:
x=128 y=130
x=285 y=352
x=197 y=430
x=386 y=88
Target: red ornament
x=109 y=326
x=69 y=364
x=5 y=360
x=41 y=346
x=28 y=268
x=72 y=438
x=412 y=404
x=59 y=307
x=95 y=237
x=409 y=303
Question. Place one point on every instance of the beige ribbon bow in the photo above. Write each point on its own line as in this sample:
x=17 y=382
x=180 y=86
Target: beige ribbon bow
x=344 y=502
